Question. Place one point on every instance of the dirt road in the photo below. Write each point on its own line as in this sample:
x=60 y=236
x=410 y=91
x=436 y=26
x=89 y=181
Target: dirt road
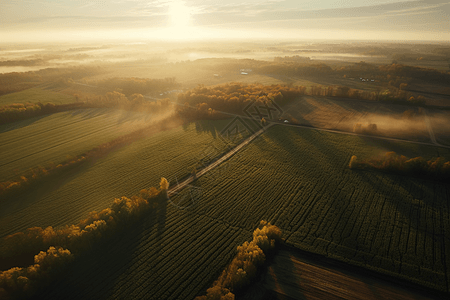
x=200 y=173
x=370 y=136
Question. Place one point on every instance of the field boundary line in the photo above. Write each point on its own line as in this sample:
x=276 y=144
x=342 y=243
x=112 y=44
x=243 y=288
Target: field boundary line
x=313 y=127
x=365 y=135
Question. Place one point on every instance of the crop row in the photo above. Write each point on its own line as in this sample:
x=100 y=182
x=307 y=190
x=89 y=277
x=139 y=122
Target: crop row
x=52 y=138
x=169 y=260
x=68 y=198
x=35 y=95
x=297 y=179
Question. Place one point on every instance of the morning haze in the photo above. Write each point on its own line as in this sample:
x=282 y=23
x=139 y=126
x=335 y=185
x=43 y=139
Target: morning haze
x=172 y=149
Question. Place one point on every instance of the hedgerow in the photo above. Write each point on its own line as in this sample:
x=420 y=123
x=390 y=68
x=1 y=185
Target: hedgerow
x=78 y=238
x=365 y=128
x=244 y=267
x=38 y=173
x=20 y=282
x=436 y=168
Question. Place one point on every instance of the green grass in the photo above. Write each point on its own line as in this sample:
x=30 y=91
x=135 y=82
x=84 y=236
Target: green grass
x=35 y=95
x=51 y=138
x=300 y=181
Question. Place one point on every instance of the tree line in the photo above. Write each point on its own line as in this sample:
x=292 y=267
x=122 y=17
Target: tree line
x=233 y=98
x=15 y=81
x=56 y=247
x=436 y=168
x=134 y=85
x=37 y=174
x=136 y=102
x=244 y=267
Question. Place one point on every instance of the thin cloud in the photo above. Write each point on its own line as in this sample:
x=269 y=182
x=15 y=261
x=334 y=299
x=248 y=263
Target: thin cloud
x=416 y=9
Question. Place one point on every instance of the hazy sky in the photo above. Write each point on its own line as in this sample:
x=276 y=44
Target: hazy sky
x=23 y=20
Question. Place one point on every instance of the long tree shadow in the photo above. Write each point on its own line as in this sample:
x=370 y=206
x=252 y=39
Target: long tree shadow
x=332 y=158
x=96 y=271
x=21 y=198
x=20 y=124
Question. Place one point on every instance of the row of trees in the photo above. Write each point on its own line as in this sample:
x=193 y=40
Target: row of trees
x=233 y=98
x=35 y=175
x=387 y=95
x=17 y=112
x=19 y=282
x=15 y=81
x=295 y=68
x=245 y=265
x=343 y=92
x=133 y=85
x=136 y=102
x=436 y=168
x=391 y=72
x=365 y=128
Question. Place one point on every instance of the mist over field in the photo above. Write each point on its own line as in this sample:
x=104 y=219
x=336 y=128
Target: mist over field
x=224 y=150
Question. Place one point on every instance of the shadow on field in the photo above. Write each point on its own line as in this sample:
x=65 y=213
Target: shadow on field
x=20 y=124
x=392 y=192
x=407 y=149
x=206 y=126
x=97 y=271
x=90 y=112
x=102 y=271
x=16 y=200
x=161 y=213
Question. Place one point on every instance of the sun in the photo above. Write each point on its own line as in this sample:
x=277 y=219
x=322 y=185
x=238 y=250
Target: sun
x=180 y=15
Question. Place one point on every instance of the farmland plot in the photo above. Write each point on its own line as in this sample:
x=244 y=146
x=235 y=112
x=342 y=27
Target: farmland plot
x=35 y=95
x=171 y=255
x=344 y=114
x=41 y=140
x=299 y=180
x=93 y=186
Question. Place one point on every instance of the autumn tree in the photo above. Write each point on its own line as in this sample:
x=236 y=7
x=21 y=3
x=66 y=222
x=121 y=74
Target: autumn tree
x=164 y=184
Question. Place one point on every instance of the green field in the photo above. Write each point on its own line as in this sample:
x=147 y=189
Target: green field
x=299 y=180
x=94 y=185
x=35 y=95
x=51 y=138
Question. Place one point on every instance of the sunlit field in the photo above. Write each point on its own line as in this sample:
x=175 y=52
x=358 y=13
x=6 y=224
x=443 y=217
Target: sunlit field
x=299 y=180
x=187 y=149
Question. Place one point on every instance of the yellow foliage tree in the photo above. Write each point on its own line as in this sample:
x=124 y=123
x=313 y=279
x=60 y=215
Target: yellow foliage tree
x=164 y=184
x=352 y=163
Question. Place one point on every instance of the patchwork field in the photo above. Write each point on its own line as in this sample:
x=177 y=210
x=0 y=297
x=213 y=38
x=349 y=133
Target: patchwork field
x=51 y=138
x=94 y=185
x=299 y=180
x=343 y=114
x=35 y=95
